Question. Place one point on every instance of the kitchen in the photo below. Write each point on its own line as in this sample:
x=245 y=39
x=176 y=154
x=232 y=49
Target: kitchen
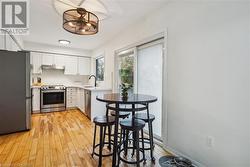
x=124 y=83
x=61 y=82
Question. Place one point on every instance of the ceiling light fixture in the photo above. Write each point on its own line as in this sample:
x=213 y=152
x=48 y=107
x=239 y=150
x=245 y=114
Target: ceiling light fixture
x=64 y=42
x=80 y=21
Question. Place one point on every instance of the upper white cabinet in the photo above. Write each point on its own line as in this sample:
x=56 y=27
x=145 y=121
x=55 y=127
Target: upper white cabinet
x=36 y=61
x=52 y=59
x=71 y=65
x=83 y=66
x=48 y=59
x=60 y=60
x=77 y=65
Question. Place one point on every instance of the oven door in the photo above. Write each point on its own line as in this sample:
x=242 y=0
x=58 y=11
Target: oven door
x=53 y=100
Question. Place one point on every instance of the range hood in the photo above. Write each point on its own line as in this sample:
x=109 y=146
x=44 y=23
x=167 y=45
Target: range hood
x=52 y=67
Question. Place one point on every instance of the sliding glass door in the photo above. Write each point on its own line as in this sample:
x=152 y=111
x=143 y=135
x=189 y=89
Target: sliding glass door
x=142 y=67
x=149 y=79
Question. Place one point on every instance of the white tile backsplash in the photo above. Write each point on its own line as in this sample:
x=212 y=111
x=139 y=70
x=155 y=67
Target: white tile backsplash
x=57 y=77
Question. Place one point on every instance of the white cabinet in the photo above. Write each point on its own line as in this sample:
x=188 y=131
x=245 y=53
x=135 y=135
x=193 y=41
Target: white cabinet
x=36 y=100
x=48 y=59
x=77 y=65
x=75 y=98
x=71 y=65
x=60 y=60
x=80 y=99
x=36 y=62
x=52 y=59
x=83 y=66
x=71 y=97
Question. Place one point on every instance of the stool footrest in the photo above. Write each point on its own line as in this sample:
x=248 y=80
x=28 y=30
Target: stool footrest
x=104 y=155
x=126 y=161
x=146 y=141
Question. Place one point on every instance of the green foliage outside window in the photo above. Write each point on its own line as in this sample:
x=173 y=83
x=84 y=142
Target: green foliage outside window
x=127 y=73
x=100 y=69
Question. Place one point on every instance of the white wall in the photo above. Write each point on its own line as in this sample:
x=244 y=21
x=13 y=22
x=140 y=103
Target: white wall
x=208 y=82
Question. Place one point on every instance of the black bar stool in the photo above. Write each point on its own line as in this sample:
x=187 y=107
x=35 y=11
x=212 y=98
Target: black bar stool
x=122 y=115
x=135 y=126
x=149 y=120
x=102 y=122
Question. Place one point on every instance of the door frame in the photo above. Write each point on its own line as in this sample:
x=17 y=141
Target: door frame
x=162 y=34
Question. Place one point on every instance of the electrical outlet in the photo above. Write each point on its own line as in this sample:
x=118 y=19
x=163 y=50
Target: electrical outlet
x=210 y=141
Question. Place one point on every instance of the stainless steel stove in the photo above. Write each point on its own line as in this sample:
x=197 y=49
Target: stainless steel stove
x=53 y=98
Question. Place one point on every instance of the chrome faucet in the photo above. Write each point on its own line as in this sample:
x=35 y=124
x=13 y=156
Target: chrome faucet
x=94 y=77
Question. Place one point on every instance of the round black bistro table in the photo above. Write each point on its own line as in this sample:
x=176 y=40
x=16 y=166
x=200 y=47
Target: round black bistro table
x=117 y=100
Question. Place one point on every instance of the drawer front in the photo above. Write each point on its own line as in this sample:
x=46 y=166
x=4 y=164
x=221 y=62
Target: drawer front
x=71 y=89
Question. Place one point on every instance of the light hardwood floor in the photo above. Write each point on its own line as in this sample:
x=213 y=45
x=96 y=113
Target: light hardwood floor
x=56 y=139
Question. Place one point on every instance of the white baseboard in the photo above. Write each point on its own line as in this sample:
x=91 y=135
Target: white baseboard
x=176 y=153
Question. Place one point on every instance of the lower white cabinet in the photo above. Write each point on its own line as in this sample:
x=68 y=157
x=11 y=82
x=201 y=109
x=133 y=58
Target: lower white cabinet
x=80 y=97
x=75 y=98
x=71 y=97
x=36 y=100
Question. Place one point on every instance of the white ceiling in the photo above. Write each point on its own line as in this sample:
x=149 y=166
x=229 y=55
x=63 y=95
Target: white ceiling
x=46 y=23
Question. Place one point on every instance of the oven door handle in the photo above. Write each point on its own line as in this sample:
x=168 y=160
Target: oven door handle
x=52 y=91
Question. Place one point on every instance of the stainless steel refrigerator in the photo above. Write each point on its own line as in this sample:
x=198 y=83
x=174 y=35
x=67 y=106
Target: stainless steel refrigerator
x=15 y=92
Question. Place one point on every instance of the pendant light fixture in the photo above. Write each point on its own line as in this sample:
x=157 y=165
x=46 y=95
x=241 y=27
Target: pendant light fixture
x=80 y=21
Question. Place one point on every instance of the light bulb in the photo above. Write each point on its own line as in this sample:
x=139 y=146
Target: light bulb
x=71 y=24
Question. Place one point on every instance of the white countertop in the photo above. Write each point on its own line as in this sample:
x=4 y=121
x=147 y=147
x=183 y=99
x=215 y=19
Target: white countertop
x=35 y=87
x=87 y=87
x=97 y=89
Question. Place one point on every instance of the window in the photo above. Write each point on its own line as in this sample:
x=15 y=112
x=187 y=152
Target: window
x=126 y=69
x=99 y=69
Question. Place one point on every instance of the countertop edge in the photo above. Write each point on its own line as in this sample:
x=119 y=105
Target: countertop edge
x=81 y=87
